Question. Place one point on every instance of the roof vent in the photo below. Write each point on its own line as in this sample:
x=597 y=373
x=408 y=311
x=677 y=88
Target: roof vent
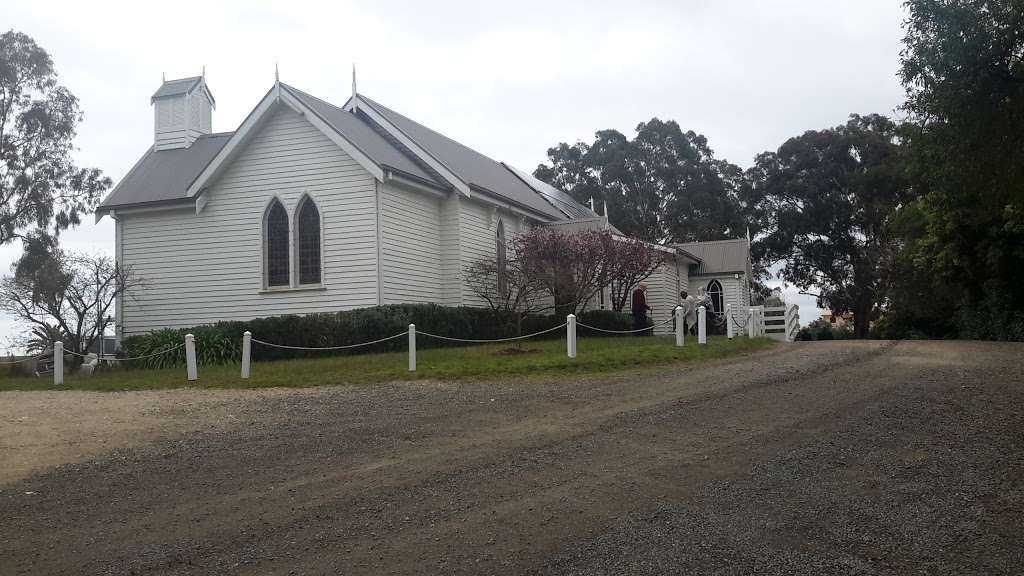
x=183 y=112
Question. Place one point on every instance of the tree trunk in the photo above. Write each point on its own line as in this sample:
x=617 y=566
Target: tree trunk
x=861 y=320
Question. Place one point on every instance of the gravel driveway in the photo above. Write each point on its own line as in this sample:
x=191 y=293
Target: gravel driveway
x=809 y=458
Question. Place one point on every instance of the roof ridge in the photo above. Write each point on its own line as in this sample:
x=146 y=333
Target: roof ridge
x=428 y=128
x=304 y=93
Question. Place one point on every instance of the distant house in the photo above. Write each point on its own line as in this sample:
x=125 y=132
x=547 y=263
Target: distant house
x=311 y=207
x=837 y=320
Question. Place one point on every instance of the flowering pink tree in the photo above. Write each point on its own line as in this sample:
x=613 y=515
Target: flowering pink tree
x=572 y=268
x=632 y=262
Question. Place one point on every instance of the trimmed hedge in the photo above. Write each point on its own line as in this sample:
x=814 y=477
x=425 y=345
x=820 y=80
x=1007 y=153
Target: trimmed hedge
x=221 y=343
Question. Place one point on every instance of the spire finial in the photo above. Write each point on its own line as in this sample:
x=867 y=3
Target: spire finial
x=204 y=71
x=163 y=76
x=592 y=204
x=277 y=75
x=353 y=80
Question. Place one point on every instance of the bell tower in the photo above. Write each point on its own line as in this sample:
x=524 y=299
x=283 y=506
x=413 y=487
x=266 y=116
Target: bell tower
x=183 y=111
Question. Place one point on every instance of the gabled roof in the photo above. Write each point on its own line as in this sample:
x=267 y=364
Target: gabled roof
x=371 y=142
x=161 y=176
x=380 y=139
x=181 y=86
x=719 y=256
x=478 y=170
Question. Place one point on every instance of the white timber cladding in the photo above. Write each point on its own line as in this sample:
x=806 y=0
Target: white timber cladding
x=734 y=290
x=410 y=235
x=477 y=226
x=208 y=267
x=662 y=295
x=451 y=259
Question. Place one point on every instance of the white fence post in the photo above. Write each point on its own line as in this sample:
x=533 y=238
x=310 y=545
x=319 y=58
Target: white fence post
x=750 y=323
x=58 y=363
x=680 y=329
x=786 y=337
x=246 y=353
x=728 y=321
x=570 y=335
x=190 y=356
x=702 y=326
x=412 y=347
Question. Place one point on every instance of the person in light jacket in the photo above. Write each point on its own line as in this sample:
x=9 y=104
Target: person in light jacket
x=689 y=313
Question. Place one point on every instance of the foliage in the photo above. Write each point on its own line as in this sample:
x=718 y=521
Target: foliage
x=663 y=186
x=819 y=329
x=631 y=262
x=222 y=342
x=73 y=290
x=824 y=201
x=511 y=288
x=40 y=185
x=469 y=364
x=963 y=69
x=42 y=337
x=572 y=268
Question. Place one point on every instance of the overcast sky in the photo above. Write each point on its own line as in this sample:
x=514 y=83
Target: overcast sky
x=509 y=79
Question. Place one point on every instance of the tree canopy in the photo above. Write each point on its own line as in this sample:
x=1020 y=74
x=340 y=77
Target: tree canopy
x=824 y=201
x=664 y=185
x=42 y=191
x=963 y=69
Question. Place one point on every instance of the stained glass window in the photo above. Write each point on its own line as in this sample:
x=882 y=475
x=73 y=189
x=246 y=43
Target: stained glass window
x=309 y=243
x=717 y=296
x=277 y=245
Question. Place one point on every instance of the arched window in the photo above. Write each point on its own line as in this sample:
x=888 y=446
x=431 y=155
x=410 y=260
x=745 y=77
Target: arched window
x=276 y=238
x=717 y=296
x=308 y=245
x=501 y=248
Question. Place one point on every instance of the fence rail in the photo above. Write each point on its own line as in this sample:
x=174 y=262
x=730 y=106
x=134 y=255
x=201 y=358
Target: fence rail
x=752 y=320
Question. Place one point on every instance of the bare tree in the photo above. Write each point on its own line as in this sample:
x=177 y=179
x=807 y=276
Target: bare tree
x=70 y=293
x=573 y=268
x=510 y=287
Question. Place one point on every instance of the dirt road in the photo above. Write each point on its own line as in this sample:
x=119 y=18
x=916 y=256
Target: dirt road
x=810 y=458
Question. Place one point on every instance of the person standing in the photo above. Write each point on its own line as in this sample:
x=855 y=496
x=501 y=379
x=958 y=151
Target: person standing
x=689 y=313
x=640 y=307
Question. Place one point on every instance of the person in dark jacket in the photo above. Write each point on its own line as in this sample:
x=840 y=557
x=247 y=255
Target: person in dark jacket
x=640 y=307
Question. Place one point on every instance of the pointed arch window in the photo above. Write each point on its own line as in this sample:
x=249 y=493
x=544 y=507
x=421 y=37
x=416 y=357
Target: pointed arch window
x=308 y=244
x=501 y=249
x=717 y=296
x=276 y=240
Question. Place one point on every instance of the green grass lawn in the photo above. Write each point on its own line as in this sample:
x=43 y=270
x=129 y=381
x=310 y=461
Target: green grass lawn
x=477 y=363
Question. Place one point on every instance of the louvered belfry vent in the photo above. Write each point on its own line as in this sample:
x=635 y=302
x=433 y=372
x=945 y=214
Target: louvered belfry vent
x=183 y=111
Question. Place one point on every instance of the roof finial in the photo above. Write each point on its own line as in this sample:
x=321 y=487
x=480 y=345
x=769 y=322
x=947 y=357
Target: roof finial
x=204 y=71
x=353 y=80
x=592 y=204
x=277 y=76
x=605 y=208
x=748 y=236
x=163 y=76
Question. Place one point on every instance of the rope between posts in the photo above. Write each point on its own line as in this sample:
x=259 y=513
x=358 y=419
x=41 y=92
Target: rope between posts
x=40 y=355
x=112 y=359
x=623 y=331
x=489 y=341
x=330 y=347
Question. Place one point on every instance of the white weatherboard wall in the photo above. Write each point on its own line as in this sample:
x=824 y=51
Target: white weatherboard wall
x=662 y=295
x=209 y=266
x=477 y=229
x=735 y=293
x=410 y=236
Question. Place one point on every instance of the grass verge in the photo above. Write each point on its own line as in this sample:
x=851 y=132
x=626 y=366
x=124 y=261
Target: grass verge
x=476 y=363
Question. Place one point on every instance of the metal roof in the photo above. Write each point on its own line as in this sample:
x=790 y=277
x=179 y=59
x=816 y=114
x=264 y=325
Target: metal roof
x=362 y=135
x=473 y=167
x=167 y=174
x=718 y=256
x=564 y=202
x=175 y=87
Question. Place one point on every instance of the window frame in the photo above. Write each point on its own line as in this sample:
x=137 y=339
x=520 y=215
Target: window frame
x=720 y=299
x=274 y=202
x=296 y=242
